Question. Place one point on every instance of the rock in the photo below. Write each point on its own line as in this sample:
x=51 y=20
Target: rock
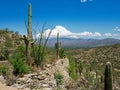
x=2 y=79
x=27 y=89
x=48 y=65
x=44 y=80
x=46 y=89
x=29 y=80
x=22 y=79
x=41 y=77
x=29 y=75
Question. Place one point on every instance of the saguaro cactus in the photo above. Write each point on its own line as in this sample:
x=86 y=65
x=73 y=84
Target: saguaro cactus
x=108 y=76
x=28 y=39
x=29 y=29
x=57 y=46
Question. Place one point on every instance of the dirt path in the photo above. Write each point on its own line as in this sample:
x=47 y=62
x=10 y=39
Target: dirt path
x=4 y=87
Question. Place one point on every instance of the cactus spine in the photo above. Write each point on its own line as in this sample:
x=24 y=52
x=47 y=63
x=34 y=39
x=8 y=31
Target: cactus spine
x=108 y=76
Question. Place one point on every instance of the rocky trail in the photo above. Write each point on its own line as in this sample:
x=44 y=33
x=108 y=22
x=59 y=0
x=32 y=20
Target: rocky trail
x=42 y=80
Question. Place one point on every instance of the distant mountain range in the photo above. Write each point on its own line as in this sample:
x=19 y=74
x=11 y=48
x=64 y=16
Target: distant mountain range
x=73 y=40
x=83 y=43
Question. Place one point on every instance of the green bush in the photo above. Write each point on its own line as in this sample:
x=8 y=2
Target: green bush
x=39 y=49
x=58 y=78
x=6 y=54
x=3 y=70
x=62 y=53
x=18 y=60
x=8 y=44
x=72 y=69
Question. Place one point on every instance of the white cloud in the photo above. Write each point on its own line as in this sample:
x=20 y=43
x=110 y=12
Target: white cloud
x=86 y=34
x=97 y=34
x=117 y=29
x=108 y=35
x=83 y=1
x=65 y=33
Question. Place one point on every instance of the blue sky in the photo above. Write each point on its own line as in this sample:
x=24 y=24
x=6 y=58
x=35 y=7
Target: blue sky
x=77 y=16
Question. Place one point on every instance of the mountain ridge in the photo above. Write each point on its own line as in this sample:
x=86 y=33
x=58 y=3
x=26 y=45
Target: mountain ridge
x=83 y=43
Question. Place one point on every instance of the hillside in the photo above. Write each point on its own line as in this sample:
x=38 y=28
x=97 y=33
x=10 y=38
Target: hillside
x=94 y=59
x=9 y=40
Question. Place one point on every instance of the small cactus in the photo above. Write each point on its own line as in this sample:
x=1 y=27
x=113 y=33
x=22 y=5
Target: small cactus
x=108 y=77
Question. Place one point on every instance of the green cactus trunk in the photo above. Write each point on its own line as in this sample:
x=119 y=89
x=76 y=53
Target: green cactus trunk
x=108 y=76
x=57 y=46
x=29 y=37
x=29 y=40
x=29 y=31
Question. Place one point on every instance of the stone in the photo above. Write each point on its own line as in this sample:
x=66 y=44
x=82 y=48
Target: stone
x=2 y=79
x=44 y=80
x=29 y=80
x=22 y=79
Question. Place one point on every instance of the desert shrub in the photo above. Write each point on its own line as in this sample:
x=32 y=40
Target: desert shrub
x=62 y=53
x=39 y=49
x=72 y=69
x=58 y=78
x=6 y=54
x=37 y=54
x=8 y=43
x=3 y=70
x=2 y=57
x=95 y=81
x=18 y=60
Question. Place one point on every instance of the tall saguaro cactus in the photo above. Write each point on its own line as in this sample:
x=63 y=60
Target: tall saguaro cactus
x=29 y=40
x=108 y=76
x=57 y=46
x=29 y=31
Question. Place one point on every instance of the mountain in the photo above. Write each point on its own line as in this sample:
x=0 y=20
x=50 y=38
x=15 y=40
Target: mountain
x=83 y=43
x=81 y=39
